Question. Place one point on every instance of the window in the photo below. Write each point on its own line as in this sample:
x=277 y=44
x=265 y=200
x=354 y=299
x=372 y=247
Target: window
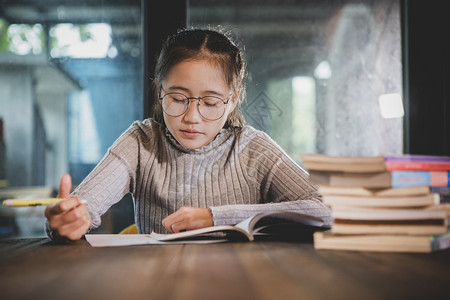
x=71 y=75
x=317 y=71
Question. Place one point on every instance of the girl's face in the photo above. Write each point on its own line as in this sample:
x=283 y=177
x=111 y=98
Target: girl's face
x=197 y=78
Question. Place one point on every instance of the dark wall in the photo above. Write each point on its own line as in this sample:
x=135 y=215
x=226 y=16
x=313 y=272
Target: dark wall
x=160 y=19
x=426 y=77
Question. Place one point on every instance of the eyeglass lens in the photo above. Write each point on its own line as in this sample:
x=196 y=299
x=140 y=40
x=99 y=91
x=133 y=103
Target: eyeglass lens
x=210 y=108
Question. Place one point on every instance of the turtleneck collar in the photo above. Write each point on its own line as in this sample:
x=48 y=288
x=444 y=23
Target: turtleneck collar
x=223 y=135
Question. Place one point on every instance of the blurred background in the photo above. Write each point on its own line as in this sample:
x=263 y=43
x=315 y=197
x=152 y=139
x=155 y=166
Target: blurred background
x=323 y=77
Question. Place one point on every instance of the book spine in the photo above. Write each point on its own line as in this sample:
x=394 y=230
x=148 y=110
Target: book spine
x=3 y=180
x=417 y=166
x=441 y=190
x=416 y=158
x=445 y=199
x=440 y=242
x=420 y=178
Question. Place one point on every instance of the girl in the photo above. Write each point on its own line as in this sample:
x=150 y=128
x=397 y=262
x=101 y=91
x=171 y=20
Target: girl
x=194 y=163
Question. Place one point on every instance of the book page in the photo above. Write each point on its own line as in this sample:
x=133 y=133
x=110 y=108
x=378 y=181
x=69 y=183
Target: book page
x=191 y=234
x=382 y=192
x=112 y=240
x=116 y=240
x=265 y=220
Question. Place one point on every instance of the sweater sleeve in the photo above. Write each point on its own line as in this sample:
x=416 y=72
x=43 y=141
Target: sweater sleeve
x=113 y=177
x=283 y=185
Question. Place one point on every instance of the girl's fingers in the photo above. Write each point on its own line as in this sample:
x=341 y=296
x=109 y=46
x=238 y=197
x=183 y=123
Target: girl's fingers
x=62 y=206
x=173 y=218
x=65 y=186
x=75 y=214
x=76 y=229
x=188 y=218
x=178 y=227
x=70 y=219
x=176 y=217
x=168 y=225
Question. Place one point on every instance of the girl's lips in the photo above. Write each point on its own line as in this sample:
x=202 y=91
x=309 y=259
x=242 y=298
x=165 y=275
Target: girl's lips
x=190 y=130
x=190 y=133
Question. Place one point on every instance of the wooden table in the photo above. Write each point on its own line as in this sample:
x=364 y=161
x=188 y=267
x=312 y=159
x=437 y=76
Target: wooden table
x=39 y=269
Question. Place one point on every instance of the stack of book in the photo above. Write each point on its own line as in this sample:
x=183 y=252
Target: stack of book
x=383 y=203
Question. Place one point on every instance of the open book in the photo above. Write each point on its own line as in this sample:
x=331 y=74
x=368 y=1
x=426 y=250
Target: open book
x=283 y=225
x=262 y=225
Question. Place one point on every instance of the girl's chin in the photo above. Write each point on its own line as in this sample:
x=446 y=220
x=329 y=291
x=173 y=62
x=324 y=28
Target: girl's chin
x=194 y=143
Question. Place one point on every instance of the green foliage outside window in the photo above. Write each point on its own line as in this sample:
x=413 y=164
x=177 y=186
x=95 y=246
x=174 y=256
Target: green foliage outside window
x=21 y=38
x=26 y=39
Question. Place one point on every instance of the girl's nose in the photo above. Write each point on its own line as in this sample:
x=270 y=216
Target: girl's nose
x=192 y=114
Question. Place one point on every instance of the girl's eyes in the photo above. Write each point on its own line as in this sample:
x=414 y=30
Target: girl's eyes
x=210 y=104
x=210 y=101
x=206 y=101
x=178 y=99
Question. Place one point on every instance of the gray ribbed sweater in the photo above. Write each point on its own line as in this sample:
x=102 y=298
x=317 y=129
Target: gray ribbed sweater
x=241 y=173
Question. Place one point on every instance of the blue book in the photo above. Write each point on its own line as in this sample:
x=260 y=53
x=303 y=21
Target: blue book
x=382 y=179
x=420 y=178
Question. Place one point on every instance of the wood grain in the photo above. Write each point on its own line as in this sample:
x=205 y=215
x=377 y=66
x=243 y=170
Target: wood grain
x=39 y=269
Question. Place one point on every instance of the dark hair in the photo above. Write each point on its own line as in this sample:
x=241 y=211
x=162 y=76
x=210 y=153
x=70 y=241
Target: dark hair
x=212 y=45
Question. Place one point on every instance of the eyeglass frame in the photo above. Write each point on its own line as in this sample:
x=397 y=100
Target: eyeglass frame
x=186 y=105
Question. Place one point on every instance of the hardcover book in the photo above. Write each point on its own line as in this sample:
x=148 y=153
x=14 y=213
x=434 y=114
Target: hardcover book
x=370 y=192
x=417 y=166
x=382 y=242
x=415 y=157
x=356 y=164
x=366 y=164
x=437 y=213
x=414 y=227
x=413 y=178
x=382 y=179
x=417 y=162
x=351 y=179
x=377 y=201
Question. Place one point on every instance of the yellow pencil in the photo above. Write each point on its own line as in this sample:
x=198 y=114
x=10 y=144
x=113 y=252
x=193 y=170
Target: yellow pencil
x=32 y=202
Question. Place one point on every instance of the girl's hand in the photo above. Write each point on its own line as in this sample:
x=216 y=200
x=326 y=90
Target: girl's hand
x=69 y=218
x=188 y=218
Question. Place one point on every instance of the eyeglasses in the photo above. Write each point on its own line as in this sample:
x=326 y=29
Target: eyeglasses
x=211 y=108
